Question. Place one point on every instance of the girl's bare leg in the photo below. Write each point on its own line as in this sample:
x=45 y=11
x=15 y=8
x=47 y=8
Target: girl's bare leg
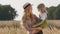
x=33 y=31
x=36 y=30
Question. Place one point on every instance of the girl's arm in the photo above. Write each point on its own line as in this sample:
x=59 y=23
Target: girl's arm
x=40 y=23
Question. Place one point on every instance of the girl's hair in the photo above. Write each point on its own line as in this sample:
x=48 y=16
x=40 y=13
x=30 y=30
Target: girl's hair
x=42 y=6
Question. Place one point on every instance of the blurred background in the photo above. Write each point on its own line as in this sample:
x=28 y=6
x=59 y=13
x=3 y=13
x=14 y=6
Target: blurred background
x=11 y=13
x=53 y=7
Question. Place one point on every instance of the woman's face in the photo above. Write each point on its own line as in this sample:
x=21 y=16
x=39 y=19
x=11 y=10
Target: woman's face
x=29 y=10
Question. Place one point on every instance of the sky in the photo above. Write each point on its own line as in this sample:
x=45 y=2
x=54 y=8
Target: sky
x=18 y=5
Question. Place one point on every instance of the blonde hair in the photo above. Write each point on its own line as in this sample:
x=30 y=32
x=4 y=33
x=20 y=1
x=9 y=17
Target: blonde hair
x=42 y=6
x=26 y=12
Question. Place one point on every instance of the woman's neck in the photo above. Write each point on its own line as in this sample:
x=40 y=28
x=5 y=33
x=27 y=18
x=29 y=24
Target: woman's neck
x=28 y=15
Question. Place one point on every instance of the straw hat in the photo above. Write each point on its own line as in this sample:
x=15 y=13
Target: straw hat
x=26 y=5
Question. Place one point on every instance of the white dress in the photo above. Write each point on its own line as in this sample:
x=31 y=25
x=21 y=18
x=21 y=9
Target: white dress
x=43 y=16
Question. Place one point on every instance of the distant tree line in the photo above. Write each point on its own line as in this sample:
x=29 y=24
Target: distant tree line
x=54 y=12
x=7 y=12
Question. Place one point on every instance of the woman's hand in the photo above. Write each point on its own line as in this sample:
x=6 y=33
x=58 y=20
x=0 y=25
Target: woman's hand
x=34 y=26
x=31 y=29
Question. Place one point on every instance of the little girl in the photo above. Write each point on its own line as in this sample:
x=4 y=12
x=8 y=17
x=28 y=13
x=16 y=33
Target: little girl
x=41 y=22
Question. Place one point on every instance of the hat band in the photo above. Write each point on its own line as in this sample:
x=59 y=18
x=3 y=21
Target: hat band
x=27 y=6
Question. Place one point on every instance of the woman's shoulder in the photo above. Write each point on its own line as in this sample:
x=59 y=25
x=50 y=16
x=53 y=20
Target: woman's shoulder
x=34 y=16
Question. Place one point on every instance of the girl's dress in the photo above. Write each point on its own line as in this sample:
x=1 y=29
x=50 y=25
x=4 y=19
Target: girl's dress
x=42 y=16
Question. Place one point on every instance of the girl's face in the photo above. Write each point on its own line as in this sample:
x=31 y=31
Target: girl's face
x=41 y=10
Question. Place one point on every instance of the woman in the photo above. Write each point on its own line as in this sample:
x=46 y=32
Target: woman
x=29 y=18
x=42 y=18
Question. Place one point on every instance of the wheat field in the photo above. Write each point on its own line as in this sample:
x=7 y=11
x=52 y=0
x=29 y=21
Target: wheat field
x=16 y=27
